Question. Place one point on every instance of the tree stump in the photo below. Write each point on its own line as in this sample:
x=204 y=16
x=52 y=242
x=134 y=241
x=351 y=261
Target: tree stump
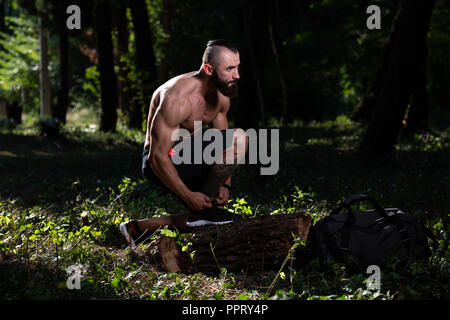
x=251 y=245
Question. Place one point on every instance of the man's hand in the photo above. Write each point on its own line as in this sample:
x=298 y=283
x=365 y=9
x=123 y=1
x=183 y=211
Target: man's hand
x=223 y=196
x=198 y=201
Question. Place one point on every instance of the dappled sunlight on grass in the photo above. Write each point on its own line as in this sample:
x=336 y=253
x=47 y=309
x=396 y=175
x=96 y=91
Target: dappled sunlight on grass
x=49 y=187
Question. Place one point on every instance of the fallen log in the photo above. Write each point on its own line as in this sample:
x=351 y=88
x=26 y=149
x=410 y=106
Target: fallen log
x=250 y=245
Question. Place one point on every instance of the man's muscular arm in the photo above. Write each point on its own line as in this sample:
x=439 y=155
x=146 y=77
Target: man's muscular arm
x=215 y=180
x=172 y=112
x=221 y=123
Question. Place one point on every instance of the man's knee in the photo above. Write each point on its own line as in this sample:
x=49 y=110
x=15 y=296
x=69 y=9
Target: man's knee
x=238 y=148
x=240 y=140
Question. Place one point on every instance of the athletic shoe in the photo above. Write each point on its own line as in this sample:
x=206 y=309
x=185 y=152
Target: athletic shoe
x=132 y=233
x=212 y=216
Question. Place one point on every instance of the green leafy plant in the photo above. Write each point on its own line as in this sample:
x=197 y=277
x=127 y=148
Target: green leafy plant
x=240 y=206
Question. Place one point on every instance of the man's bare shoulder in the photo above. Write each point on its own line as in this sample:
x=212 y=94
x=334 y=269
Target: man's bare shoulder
x=179 y=87
x=176 y=97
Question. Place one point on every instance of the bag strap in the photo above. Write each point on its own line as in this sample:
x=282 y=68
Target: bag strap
x=361 y=197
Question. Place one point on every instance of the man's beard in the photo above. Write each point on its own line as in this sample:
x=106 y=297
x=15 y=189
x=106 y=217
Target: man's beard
x=227 y=88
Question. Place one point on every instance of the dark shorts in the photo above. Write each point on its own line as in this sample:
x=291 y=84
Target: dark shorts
x=193 y=175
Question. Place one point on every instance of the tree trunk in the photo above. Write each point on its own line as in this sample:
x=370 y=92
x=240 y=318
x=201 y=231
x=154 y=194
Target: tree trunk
x=247 y=14
x=400 y=77
x=14 y=112
x=365 y=107
x=122 y=44
x=2 y=18
x=3 y=101
x=108 y=96
x=63 y=92
x=3 y=108
x=145 y=61
x=249 y=245
x=417 y=117
x=44 y=79
x=164 y=72
x=278 y=64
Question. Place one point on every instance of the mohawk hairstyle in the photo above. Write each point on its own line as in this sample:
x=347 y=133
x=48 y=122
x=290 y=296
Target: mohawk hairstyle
x=223 y=43
x=211 y=52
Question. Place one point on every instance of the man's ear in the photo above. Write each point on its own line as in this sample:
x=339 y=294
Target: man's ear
x=207 y=68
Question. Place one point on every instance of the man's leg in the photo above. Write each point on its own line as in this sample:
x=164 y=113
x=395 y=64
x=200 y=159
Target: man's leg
x=220 y=173
x=146 y=227
x=152 y=224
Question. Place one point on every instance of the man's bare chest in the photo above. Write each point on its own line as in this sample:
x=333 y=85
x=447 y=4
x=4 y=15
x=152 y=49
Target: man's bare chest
x=201 y=113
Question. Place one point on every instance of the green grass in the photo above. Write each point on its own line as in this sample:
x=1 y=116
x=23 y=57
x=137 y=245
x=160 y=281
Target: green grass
x=47 y=185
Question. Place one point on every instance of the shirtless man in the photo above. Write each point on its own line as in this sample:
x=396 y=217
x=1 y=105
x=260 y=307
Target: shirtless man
x=202 y=95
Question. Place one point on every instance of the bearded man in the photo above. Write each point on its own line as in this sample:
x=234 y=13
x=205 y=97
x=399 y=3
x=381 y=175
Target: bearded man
x=198 y=96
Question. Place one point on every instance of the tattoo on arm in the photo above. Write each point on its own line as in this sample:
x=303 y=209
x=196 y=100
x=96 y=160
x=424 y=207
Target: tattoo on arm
x=216 y=177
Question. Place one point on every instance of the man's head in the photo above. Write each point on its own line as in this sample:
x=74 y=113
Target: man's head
x=221 y=63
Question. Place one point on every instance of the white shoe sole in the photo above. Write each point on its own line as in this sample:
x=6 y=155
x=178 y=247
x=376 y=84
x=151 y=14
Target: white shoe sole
x=200 y=223
x=123 y=229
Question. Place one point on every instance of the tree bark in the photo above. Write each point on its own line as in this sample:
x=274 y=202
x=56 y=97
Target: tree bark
x=365 y=107
x=417 y=117
x=63 y=92
x=145 y=61
x=14 y=112
x=284 y=106
x=122 y=45
x=400 y=77
x=44 y=78
x=247 y=14
x=108 y=118
x=164 y=72
x=3 y=107
x=2 y=18
x=3 y=101
x=249 y=245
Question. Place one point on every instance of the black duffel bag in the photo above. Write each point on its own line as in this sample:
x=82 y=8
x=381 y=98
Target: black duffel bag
x=371 y=237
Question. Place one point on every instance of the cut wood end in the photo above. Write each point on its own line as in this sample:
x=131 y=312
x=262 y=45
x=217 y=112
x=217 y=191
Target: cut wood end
x=173 y=260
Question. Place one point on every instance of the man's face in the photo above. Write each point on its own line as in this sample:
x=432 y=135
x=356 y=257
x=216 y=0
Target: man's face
x=226 y=74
